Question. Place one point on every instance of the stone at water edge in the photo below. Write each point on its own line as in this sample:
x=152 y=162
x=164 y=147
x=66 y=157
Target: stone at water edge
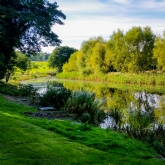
x=46 y=109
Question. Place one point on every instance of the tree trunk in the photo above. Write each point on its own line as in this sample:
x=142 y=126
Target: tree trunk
x=8 y=76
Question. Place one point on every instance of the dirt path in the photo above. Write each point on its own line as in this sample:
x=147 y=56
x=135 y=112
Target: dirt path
x=18 y=99
x=40 y=114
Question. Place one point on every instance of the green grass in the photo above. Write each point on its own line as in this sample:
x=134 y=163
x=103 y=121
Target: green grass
x=39 y=69
x=119 y=78
x=30 y=141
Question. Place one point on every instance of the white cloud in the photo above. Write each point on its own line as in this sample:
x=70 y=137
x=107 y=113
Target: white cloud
x=89 y=18
x=151 y=4
x=125 y=2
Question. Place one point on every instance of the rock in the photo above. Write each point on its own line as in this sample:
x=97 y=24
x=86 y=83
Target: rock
x=23 y=99
x=46 y=109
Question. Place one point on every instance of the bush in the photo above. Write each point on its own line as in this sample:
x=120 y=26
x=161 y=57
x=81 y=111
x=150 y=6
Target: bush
x=56 y=97
x=27 y=90
x=84 y=105
x=9 y=89
x=54 y=84
x=30 y=92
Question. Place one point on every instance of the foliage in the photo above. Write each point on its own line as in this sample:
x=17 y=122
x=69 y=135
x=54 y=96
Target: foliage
x=26 y=25
x=86 y=56
x=141 y=127
x=10 y=68
x=40 y=56
x=59 y=56
x=84 y=105
x=71 y=65
x=37 y=69
x=22 y=61
x=85 y=126
x=115 y=50
x=138 y=124
x=9 y=89
x=130 y=52
x=56 y=97
x=159 y=52
x=27 y=90
x=149 y=78
x=94 y=146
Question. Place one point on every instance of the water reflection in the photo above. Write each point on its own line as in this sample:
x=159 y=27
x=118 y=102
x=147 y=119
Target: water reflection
x=138 y=112
x=125 y=107
x=140 y=109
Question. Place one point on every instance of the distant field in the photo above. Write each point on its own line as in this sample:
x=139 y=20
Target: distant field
x=38 y=69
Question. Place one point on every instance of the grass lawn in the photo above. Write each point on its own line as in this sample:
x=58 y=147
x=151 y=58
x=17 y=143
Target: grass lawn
x=34 y=141
x=39 y=69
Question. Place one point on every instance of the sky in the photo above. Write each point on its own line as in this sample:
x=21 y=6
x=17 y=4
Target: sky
x=93 y=18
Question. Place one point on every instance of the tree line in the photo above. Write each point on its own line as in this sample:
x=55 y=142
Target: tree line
x=25 y=25
x=135 y=51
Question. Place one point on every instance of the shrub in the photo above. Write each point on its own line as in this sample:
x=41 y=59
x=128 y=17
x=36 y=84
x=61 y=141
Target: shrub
x=30 y=92
x=9 y=89
x=85 y=126
x=27 y=90
x=117 y=116
x=54 y=84
x=56 y=97
x=84 y=105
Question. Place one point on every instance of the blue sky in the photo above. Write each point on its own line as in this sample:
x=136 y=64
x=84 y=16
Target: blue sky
x=92 y=18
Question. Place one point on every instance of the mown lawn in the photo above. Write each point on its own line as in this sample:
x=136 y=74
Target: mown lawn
x=33 y=141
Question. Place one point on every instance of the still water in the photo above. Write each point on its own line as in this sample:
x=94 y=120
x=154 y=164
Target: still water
x=127 y=105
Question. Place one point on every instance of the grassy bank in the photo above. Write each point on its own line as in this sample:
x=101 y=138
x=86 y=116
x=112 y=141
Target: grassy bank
x=27 y=140
x=38 y=69
x=119 y=78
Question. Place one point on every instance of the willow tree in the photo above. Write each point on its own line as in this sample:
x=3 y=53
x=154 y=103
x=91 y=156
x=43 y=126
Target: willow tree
x=133 y=51
x=139 y=44
x=26 y=25
x=116 y=52
x=83 y=59
x=159 y=52
x=97 y=58
x=71 y=65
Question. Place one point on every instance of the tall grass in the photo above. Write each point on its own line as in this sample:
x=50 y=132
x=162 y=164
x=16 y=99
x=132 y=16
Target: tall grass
x=56 y=97
x=31 y=141
x=84 y=105
x=140 y=125
x=120 y=78
x=70 y=75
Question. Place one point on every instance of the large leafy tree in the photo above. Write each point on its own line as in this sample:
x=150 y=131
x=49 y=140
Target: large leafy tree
x=97 y=58
x=71 y=65
x=60 y=56
x=133 y=51
x=26 y=25
x=139 y=44
x=159 y=52
x=116 y=52
x=83 y=60
x=20 y=61
x=23 y=62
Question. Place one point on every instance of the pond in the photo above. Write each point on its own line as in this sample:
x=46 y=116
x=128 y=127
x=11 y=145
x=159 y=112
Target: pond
x=127 y=105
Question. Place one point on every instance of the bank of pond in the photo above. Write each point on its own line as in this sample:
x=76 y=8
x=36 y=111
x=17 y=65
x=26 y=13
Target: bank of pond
x=146 y=78
x=135 y=110
x=33 y=140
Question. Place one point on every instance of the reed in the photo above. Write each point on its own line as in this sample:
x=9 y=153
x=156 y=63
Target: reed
x=120 y=78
